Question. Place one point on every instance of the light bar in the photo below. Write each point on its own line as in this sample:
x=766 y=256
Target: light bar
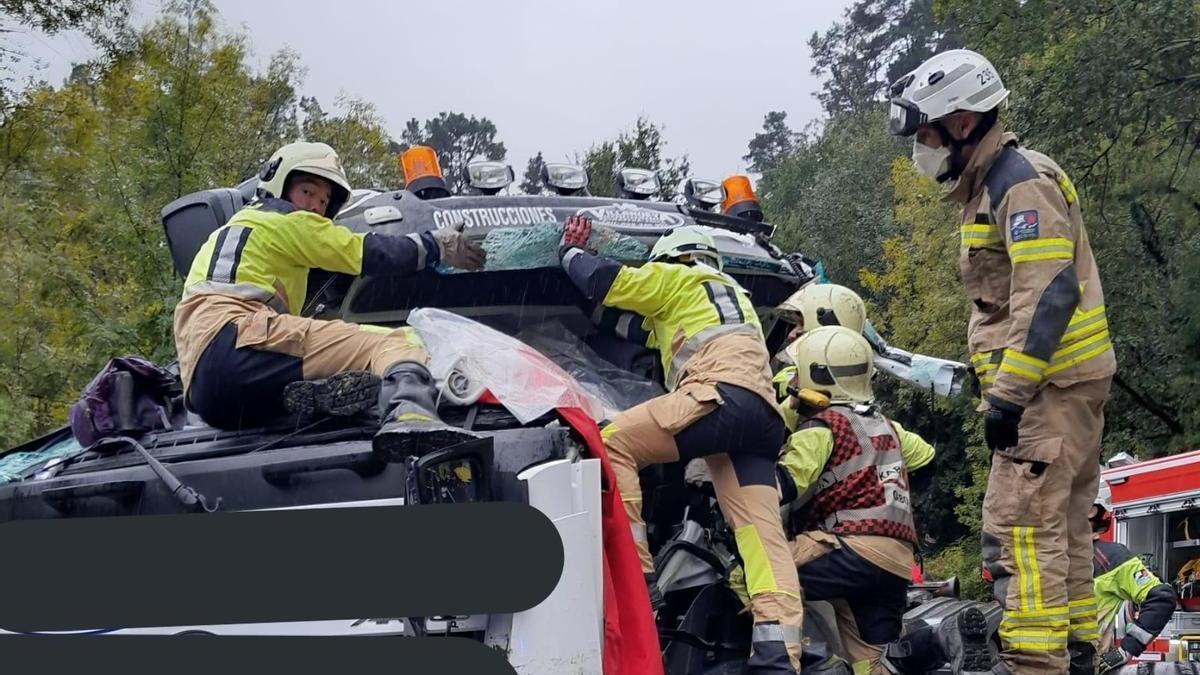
x=565 y=179
x=637 y=183
x=489 y=177
x=703 y=194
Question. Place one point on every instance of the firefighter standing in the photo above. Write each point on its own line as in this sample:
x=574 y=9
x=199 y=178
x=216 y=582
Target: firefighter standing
x=720 y=406
x=244 y=354
x=1040 y=349
x=1121 y=577
x=844 y=479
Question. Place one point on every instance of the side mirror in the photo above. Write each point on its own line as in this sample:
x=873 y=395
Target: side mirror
x=460 y=473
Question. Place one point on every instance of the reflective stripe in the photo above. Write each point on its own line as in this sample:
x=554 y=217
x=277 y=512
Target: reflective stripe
x=638 y=530
x=701 y=338
x=725 y=301
x=1079 y=352
x=1068 y=189
x=622 y=328
x=1051 y=248
x=979 y=235
x=571 y=255
x=1084 y=324
x=760 y=578
x=223 y=267
x=416 y=239
x=775 y=632
x=1028 y=367
x=1143 y=636
x=244 y=291
x=1027 y=569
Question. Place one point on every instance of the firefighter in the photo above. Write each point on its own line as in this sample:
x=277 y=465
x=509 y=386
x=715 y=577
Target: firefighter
x=720 y=406
x=1120 y=577
x=1040 y=349
x=816 y=305
x=844 y=478
x=244 y=354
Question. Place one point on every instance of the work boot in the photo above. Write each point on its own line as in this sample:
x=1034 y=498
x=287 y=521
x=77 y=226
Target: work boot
x=917 y=651
x=768 y=650
x=343 y=394
x=408 y=405
x=966 y=642
x=1083 y=658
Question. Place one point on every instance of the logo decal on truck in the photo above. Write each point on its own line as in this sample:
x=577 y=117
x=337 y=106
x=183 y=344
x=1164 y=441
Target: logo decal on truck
x=629 y=215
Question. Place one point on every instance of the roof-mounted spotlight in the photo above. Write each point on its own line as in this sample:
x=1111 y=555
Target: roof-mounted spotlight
x=422 y=174
x=703 y=194
x=564 y=179
x=487 y=176
x=740 y=201
x=636 y=183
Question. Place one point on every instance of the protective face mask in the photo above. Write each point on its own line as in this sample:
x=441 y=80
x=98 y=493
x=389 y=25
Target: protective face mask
x=929 y=161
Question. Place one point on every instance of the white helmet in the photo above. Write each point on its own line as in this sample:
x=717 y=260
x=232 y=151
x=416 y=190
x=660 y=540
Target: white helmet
x=955 y=80
x=687 y=241
x=825 y=305
x=1104 y=496
x=837 y=362
x=317 y=159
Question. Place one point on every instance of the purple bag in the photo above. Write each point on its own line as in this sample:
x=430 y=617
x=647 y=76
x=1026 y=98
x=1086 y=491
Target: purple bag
x=129 y=396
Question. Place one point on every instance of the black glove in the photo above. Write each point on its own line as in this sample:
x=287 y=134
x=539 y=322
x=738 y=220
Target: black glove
x=1112 y=660
x=1000 y=422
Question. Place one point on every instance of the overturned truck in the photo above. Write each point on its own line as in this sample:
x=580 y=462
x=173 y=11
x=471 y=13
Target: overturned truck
x=516 y=330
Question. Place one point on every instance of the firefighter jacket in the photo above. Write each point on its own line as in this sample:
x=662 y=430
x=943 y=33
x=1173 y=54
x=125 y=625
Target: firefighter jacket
x=1120 y=577
x=699 y=319
x=1037 y=305
x=846 y=472
x=262 y=257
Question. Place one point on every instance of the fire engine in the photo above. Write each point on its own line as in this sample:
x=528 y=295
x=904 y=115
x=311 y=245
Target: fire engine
x=1156 y=513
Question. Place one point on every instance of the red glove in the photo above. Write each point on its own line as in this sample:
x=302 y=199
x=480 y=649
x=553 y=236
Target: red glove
x=576 y=231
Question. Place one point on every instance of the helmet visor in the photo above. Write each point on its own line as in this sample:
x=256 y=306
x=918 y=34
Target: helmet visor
x=904 y=117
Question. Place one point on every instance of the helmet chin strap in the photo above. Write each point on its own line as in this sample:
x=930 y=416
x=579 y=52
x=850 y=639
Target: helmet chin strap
x=958 y=163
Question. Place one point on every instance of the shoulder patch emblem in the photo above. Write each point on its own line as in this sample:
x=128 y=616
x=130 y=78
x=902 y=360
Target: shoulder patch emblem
x=1023 y=225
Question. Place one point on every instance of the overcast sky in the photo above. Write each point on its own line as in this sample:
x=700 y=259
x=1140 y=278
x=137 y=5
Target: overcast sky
x=553 y=75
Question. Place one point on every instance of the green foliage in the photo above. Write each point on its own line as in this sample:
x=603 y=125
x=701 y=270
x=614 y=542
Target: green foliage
x=875 y=43
x=961 y=560
x=457 y=139
x=531 y=180
x=772 y=144
x=640 y=149
x=85 y=170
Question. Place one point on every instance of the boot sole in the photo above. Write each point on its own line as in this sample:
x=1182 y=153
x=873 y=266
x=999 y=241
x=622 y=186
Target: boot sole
x=343 y=394
x=399 y=445
x=973 y=631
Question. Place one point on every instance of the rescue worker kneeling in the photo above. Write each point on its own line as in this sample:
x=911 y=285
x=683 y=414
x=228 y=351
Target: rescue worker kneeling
x=720 y=407
x=843 y=479
x=246 y=357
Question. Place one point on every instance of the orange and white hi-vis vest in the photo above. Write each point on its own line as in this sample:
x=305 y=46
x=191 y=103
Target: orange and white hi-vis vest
x=1037 y=305
x=864 y=486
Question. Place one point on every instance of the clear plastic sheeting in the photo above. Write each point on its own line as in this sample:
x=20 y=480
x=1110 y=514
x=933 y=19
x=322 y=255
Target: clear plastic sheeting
x=535 y=246
x=13 y=465
x=616 y=389
x=476 y=357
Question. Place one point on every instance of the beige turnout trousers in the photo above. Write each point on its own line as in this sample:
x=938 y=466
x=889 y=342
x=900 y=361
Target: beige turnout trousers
x=646 y=434
x=1037 y=542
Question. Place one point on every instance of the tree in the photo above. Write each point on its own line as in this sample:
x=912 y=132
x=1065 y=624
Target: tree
x=772 y=144
x=457 y=139
x=85 y=169
x=641 y=149
x=370 y=156
x=876 y=42
x=531 y=182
